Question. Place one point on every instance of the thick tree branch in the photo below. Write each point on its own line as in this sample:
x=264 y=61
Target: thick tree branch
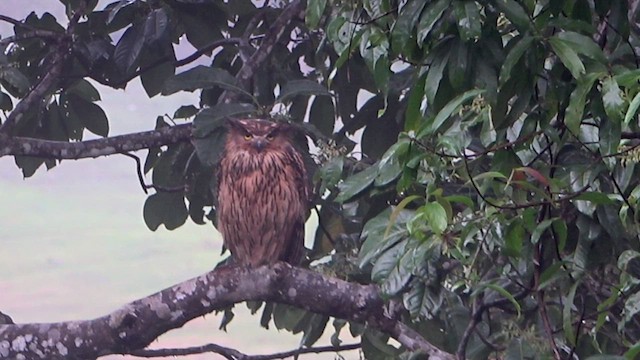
x=137 y=324
x=93 y=148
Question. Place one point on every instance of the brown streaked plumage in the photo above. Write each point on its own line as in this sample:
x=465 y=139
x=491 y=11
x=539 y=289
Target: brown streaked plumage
x=263 y=194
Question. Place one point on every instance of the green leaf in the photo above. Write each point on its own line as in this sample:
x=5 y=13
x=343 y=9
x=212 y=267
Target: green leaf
x=322 y=114
x=540 y=229
x=567 y=318
x=15 y=78
x=435 y=74
x=561 y=233
x=632 y=110
x=614 y=104
x=185 y=111
x=515 y=13
x=568 y=55
x=515 y=54
x=389 y=167
x=429 y=17
x=128 y=49
x=155 y=26
x=331 y=172
x=210 y=119
x=468 y=20
x=200 y=77
x=165 y=208
x=575 y=110
x=514 y=239
x=583 y=45
x=387 y=261
x=502 y=291
x=402 y=30
x=85 y=90
x=609 y=134
x=436 y=217
x=355 y=184
x=302 y=87
x=595 y=197
x=397 y=210
x=373 y=233
x=5 y=102
x=447 y=111
x=153 y=80
x=91 y=115
x=413 y=114
x=314 y=11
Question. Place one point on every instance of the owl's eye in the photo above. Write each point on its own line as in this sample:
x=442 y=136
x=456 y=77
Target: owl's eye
x=270 y=137
x=248 y=137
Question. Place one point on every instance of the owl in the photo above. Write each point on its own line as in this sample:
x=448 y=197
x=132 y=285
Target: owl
x=263 y=193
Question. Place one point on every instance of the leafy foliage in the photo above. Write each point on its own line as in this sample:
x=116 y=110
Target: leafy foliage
x=476 y=159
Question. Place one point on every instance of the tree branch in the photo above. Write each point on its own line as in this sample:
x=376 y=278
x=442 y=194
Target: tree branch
x=272 y=36
x=50 y=78
x=93 y=148
x=137 y=324
x=234 y=354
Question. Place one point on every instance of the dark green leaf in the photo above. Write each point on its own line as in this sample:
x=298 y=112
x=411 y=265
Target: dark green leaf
x=156 y=25
x=413 y=114
x=447 y=111
x=468 y=20
x=633 y=109
x=583 y=45
x=322 y=114
x=15 y=78
x=211 y=119
x=597 y=198
x=403 y=28
x=314 y=11
x=128 y=49
x=153 y=80
x=514 y=239
x=514 y=11
x=614 y=104
x=165 y=208
x=199 y=77
x=5 y=102
x=92 y=115
x=435 y=74
x=356 y=183
x=302 y=87
x=436 y=217
x=429 y=17
x=185 y=111
x=513 y=57
x=567 y=53
x=85 y=90
x=575 y=110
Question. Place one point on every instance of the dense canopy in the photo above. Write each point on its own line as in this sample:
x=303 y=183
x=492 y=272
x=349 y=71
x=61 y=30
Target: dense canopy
x=476 y=161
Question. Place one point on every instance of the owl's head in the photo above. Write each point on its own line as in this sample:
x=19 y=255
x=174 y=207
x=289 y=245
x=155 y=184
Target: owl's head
x=255 y=135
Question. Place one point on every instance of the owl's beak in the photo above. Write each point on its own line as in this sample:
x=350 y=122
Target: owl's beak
x=259 y=144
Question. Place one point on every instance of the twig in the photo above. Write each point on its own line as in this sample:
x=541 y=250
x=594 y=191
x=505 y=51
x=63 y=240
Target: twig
x=143 y=184
x=233 y=354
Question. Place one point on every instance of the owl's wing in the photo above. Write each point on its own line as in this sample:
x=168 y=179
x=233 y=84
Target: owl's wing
x=295 y=248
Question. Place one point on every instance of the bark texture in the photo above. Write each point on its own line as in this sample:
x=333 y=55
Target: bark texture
x=137 y=324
